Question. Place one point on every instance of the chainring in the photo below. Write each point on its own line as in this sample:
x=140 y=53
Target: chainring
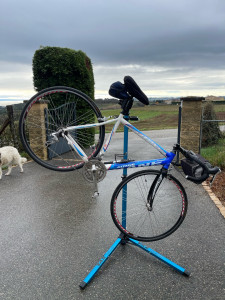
x=94 y=168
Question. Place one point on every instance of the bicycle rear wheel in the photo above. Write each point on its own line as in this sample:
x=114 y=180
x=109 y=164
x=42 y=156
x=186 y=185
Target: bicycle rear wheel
x=52 y=110
x=130 y=211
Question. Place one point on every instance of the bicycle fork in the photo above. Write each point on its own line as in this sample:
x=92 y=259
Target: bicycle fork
x=154 y=188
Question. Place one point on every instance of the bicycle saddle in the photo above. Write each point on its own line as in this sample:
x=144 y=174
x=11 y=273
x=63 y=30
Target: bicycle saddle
x=118 y=90
x=134 y=90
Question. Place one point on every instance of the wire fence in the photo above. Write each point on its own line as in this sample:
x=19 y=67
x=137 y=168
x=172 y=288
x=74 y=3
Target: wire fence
x=212 y=123
x=9 y=126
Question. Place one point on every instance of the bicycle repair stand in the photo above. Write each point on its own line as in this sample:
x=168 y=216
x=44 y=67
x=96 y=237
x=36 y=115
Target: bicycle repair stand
x=122 y=239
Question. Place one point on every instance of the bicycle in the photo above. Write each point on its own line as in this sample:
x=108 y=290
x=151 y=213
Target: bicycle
x=69 y=135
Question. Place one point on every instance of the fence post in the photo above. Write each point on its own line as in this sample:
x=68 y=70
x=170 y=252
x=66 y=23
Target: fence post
x=12 y=124
x=37 y=128
x=191 y=123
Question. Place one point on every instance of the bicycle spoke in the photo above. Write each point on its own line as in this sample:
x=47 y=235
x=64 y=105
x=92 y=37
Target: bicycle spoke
x=44 y=126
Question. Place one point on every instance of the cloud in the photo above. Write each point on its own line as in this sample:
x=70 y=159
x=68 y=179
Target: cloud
x=164 y=43
x=158 y=81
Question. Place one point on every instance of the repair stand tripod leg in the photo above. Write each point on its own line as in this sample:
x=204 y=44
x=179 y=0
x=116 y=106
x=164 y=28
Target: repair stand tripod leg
x=123 y=240
x=160 y=257
x=93 y=272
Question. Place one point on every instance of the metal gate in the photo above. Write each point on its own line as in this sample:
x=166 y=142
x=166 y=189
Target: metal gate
x=65 y=113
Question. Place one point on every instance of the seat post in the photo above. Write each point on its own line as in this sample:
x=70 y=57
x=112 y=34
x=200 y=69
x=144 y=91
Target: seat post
x=126 y=106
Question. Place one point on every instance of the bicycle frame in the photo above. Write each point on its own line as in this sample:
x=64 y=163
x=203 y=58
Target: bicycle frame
x=165 y=162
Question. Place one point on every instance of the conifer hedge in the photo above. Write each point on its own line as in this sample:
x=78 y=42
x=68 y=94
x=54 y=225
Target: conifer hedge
x=54 y=66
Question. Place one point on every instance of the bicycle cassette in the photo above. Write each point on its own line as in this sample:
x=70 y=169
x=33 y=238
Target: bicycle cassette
x=94 y=171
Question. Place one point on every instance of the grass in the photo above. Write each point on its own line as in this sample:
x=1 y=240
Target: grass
x=215 y=154
x=219 y=108
x=150 y=117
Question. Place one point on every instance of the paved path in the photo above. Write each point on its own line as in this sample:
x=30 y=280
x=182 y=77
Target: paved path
x=52 y=233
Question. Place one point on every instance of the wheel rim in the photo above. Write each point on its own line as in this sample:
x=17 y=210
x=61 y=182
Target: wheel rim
x=146 y=224
x=52 y=111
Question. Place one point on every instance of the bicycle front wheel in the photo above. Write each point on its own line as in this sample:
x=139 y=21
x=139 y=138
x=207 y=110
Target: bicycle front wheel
x=130 y=206
x=44 y=122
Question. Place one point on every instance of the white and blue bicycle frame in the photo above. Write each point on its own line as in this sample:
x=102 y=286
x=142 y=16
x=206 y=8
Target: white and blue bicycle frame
x=165 y=162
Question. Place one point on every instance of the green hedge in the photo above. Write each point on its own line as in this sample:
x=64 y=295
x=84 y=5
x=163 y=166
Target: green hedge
x=55 y=66
x=63 y=66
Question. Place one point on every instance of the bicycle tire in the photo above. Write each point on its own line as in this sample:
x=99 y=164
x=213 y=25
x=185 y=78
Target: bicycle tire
x=59 y=107
x=136 y=221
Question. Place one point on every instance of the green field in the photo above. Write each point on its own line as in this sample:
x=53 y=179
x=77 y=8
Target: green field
x=161 y=116
x=219 y=108
x=150 y=117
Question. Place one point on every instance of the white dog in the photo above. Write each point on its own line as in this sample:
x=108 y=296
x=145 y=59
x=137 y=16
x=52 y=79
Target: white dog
x=10 y=156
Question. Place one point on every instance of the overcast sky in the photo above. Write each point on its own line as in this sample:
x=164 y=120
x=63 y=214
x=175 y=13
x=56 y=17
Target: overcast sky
x=171 y=48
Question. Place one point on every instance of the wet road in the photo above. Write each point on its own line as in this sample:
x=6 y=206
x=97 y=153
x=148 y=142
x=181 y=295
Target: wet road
x=52 y=233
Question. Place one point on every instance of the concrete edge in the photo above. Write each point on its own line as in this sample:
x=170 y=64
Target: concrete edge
x=214 y=198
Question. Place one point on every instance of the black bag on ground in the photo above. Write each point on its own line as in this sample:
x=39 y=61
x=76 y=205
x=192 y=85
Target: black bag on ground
x=192 y=168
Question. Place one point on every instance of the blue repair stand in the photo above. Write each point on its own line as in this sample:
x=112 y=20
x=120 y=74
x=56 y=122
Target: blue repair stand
x=122 y=239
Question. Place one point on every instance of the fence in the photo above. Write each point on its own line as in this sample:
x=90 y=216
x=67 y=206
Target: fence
x=9 y=126
x=212 y=122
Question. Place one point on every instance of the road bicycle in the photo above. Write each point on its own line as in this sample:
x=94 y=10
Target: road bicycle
x=62 y=129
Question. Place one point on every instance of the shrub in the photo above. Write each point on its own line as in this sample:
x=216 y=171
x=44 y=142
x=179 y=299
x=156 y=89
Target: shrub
x=210 y=130
x=55 y=66
x=62 y=66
